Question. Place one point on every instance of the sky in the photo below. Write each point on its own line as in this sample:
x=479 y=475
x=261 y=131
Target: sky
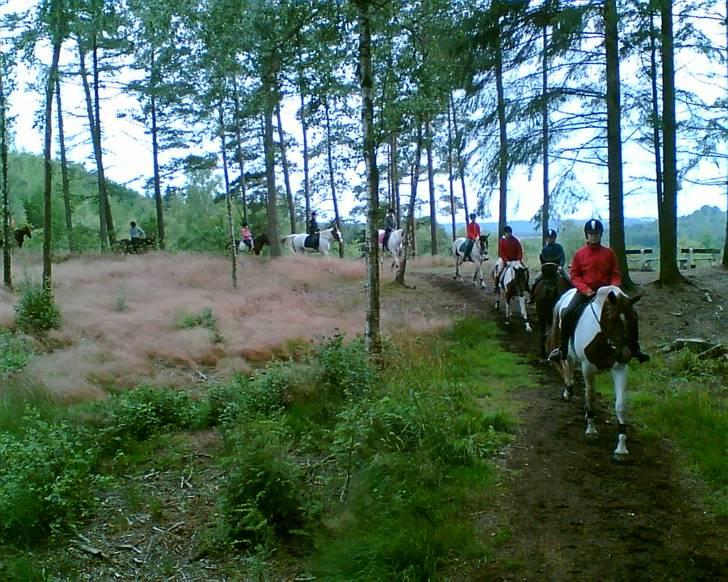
x=128 y=156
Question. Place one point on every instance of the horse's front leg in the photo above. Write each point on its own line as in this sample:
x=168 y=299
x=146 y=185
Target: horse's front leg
x=619 y=376
x=589 y=373
x=457 y=268
x=476 y=274
x=522 y=305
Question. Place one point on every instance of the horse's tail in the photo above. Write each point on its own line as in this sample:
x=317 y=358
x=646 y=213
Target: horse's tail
x=289 y=240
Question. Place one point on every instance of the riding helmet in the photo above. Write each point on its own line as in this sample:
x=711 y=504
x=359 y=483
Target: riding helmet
x=508 y=229
x=314 y=213
x=551 y=233
x=472 y=216
x=594 y=225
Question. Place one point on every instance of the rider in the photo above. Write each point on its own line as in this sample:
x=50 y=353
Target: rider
x=136 y=234
x=592 y=267
x=246 y=238
x=313 y=230
x=473 y=234
x=390 y=223
x=552 y=252
x=509 y=249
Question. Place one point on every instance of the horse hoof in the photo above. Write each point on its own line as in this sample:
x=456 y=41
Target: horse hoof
x=620 y=457
x=566 y=396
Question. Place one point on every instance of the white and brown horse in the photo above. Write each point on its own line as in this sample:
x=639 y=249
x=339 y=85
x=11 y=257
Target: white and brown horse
x=513 y=282
x=299 y=243
x=479 y=255
x=394 y=246
x=605 y=337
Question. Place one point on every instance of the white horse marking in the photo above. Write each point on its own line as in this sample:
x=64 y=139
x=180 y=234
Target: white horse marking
x=513 y=281
x=394 y=246
x=326 y=236
x=479 y=254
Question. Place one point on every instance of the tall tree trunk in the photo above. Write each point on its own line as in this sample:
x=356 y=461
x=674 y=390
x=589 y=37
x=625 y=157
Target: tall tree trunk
x=228 y=199
x=669 y=271
x=450 y=176
x=502 y=137
x=372 y=333
x=459 y=145
x=431 y=184
x=725 y=242
x=286 y=176
x=64 y=171
x=97 y=110
x=271 y=100
x=7 y=266
x=657 y=140
x=395 y=178
x=155 y=164
x=332 y=175
x=239 y=151
x=304 y=131
x=408 y=236
x=614 y=140
x=103 y=230
x=48 y=161
x=546 y=210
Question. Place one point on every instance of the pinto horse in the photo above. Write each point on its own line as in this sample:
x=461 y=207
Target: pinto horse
x=20 y=235
x=606 y=337
x=513 y=281
x=547 y=291
x=298 y=242
x=479 y=254
x=258 y=243
x=394 y=246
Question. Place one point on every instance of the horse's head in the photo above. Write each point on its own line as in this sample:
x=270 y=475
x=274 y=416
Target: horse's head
x=550 y=271
x=259 y=242
x=619 y=323
x=336 y=234
x=515 y=278
x=484 y=245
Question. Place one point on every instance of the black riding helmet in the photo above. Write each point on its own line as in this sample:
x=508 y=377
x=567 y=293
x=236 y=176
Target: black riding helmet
x=593 y=225
x=472 y=216
x=551 y=233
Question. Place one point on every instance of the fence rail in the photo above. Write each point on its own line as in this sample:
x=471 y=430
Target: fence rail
x=647 y=258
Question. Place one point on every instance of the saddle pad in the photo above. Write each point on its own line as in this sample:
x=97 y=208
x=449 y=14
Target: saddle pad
x=308 y=243
x=463 y=246
x=381 y=237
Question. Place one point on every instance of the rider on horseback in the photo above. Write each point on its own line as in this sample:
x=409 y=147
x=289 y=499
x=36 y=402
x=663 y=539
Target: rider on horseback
x=592 y=267
x=390 y=223
x=313 y=231
x=473 y=234
x=552 y=252
x=509 y=249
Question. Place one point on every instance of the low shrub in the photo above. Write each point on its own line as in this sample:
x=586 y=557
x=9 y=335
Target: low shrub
x=46 y=479
x=36 y=311
x=14 y=354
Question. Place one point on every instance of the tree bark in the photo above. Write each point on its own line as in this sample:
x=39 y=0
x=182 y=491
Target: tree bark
x=7 y=265
x=502 y=137
x=546 y=209
x=155 y=164
x=228 y=200
x=409 y=232
x=97 y=109
x=304 y=131
x=239 y=151
x=669 y=271
x=459 y=145
x=725 y=242
x=656 y=116
x=286 y=174
x=271 y=100
x=64 y=171
x=395 y=178
x=614 y=140
x=431 y=185
x=48 y=162
x=372 y=333
x=450 y=176
x=332 y=175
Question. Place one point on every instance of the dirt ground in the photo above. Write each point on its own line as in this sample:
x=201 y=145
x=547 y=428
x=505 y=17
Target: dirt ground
x=573 y=513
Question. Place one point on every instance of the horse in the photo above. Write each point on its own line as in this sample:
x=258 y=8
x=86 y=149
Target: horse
x=299 y=242
x=605 y=337
x=258 y=243
x=479 y=254
x=513 y=281
x=547 y=291
x=20 y=235
x=134 y=246
x=394 y=246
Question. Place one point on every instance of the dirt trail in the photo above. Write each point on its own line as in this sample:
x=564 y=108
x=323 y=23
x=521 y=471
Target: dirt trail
x=573 y=513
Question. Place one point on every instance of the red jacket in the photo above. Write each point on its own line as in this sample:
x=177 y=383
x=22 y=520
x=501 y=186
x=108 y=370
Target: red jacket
x=510 y=249
x=594 y=266
x=473 y=231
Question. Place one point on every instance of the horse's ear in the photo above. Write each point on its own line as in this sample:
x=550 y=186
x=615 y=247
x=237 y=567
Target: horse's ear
x=635 y=299
x=612 y=297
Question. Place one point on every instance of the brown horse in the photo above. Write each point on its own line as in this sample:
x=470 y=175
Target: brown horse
x=549 y=288
x=513 y=282
x=20 y=235
x=258 y=243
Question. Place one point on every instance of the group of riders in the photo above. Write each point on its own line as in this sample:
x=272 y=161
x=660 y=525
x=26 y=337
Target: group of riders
x=592 y=267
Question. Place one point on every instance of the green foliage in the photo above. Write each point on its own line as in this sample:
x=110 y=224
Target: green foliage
x=46 y=479
x=265 y=491
x=36 y=311
x=14 y=354
x=139 y=414
x=206 y=318
x=345 y=367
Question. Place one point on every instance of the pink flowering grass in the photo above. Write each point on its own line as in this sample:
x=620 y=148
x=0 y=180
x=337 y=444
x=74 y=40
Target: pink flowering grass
x=126 y=320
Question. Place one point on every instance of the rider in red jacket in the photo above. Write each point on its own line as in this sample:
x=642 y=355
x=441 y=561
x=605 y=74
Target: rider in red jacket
x=473 y=234
x=509 y=249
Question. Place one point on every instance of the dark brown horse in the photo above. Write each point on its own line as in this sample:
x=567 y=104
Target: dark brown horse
x=258 y=243
x=20 y=235
x=549 y=288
